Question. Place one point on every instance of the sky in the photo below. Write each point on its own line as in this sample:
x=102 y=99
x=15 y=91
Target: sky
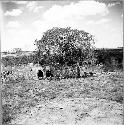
x=24 y=21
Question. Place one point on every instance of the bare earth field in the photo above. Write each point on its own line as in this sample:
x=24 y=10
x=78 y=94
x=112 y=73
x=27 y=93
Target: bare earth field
x=94 y=100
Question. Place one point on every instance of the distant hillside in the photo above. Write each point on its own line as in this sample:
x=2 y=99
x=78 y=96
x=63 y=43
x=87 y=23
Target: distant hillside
x=110 y=57
x=4 y=54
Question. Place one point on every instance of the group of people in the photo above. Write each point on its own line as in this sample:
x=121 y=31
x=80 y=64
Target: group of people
x=45 y=72
x=48 y=73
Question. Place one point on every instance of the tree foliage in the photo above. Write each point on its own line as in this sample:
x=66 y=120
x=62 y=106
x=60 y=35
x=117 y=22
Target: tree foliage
x=110 y=2
x=66 y=45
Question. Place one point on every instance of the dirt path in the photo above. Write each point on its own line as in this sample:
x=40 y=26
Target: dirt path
x=76 y=111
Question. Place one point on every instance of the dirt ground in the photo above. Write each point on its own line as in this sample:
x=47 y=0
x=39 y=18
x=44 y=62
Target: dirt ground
x=94 y=100
x=75 y=102
x=76 y=111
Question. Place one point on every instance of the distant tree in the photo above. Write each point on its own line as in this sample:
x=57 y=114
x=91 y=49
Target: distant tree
x=66 y=46
x=17 y=50
x=110 y=2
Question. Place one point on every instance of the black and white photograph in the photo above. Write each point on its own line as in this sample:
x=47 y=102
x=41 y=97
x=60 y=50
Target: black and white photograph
x=61 y=62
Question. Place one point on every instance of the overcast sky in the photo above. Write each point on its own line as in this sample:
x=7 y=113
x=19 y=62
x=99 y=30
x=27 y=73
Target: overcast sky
x=24 y=21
